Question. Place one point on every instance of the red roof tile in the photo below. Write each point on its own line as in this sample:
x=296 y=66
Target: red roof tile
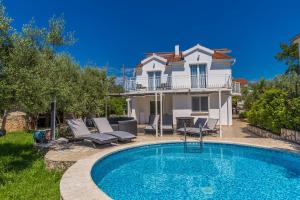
x=171 y=57
x=241 y=81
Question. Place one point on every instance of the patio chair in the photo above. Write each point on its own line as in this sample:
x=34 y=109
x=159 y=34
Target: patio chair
x=167 y=123
x=81 y=132
x=104 y=127
x=200 y=122
x=209 y=126
x=151 y=127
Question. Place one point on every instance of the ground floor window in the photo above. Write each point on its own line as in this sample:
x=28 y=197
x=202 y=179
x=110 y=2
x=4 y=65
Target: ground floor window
x=200 y=104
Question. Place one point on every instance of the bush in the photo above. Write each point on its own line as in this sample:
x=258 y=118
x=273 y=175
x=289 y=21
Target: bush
x=269 y=111
x=293 y=114
x=243 y=115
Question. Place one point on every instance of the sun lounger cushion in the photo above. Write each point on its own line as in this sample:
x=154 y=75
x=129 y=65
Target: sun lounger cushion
x=103 y=125
x=78 y=127
x=99 y=138
x=122 y=135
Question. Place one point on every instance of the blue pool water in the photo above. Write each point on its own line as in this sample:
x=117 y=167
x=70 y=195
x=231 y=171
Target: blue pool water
x=218 y=171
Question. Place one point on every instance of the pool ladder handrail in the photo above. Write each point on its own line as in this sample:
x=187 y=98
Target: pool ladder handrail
x=200 y=134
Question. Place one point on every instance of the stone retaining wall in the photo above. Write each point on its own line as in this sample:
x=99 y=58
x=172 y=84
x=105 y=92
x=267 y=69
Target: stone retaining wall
x=286 y=134
x=14 y=121
x=290 y=135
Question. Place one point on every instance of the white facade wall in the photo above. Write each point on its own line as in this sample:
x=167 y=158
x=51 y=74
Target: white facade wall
x=218 y=72
x=218 y=75
x=182 y=107
x=151 y=66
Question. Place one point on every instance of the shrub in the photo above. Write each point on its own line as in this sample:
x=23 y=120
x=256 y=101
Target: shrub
x=243 y=115
x=269 y=110
x=293 y=114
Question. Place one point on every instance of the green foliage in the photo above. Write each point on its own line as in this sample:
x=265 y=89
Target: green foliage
x=289 y=55
x=22 y=170
x=243 y=115
x=269 y=111
x=251 y=94
x=288 y=82
x=33 y=74
x=116 y=105
x=56 y=36
x=293 y=114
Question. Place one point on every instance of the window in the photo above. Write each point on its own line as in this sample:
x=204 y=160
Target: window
x=200 y=104
x=154 y=80
x=198 y=76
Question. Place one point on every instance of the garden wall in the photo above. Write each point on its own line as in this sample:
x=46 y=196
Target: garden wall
x=286 y=134
x=14 y=121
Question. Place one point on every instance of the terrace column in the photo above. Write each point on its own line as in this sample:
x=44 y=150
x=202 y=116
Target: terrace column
x=156 y=127
x=161 y=114
x=220 y=106
x=128 y=107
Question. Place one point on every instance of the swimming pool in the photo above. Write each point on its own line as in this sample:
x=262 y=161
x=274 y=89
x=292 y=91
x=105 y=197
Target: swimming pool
x=215 y=171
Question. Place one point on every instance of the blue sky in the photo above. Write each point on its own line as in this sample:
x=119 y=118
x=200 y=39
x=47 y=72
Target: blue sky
x=120 y=32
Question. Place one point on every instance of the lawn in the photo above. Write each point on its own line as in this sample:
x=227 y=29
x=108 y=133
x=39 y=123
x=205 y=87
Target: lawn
x=22 y=171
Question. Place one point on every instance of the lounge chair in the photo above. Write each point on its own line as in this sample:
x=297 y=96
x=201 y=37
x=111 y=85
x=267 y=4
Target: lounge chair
x=200 y=122
x=167 y=123
x=151 y=127
x=209 y=126
x=104 y=127
x=81 y=132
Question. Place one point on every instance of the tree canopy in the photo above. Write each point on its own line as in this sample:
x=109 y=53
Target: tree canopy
x=289 y=55
x=33 y=72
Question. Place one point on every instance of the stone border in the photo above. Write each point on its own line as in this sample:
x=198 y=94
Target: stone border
x=285 y=134
x=77 y=182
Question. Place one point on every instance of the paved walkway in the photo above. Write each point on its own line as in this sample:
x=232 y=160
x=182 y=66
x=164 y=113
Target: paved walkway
x=64 y=156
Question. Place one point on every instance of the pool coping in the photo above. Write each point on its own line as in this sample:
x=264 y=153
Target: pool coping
x=77 y=182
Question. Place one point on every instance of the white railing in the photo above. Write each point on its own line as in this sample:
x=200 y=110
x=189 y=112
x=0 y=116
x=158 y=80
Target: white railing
x=180 y=82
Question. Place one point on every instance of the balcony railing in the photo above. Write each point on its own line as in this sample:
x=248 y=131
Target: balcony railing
x=180 y=82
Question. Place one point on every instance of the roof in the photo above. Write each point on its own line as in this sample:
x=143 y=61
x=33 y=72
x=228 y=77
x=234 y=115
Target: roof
x=241 y=81
x=217 y=54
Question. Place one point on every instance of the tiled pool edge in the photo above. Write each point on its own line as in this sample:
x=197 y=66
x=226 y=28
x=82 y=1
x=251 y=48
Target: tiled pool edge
x=77 y=182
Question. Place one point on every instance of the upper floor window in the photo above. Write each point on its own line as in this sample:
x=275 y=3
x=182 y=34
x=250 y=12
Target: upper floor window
x=200 y=104
x=154 y=80
x=198 y=76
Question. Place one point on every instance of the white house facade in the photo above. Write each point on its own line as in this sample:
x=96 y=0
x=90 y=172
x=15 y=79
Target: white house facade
x=195 y=83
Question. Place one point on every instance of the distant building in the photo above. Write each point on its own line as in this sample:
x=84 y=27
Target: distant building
x=243 y=82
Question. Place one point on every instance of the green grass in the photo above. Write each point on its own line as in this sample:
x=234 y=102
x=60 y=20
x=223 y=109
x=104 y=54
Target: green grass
x=22 y=170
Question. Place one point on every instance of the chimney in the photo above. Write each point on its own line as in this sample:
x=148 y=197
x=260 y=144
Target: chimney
x=177 y=50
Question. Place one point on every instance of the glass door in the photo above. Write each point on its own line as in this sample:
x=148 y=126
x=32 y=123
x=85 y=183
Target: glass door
x=198 y=76
x=194 y=76
x=202 y=76
x=154 y=80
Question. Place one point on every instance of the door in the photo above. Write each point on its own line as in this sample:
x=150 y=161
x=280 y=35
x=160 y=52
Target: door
x=154 y=80
x=202 y=76
x=198 y=76
x=194 y=76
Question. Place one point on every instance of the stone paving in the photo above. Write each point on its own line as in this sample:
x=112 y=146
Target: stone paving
x=63 y=156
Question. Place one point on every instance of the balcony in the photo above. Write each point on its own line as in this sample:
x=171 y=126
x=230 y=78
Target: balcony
x=181 y=82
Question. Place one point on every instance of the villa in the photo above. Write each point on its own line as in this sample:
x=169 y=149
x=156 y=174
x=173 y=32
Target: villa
x=196 y=82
